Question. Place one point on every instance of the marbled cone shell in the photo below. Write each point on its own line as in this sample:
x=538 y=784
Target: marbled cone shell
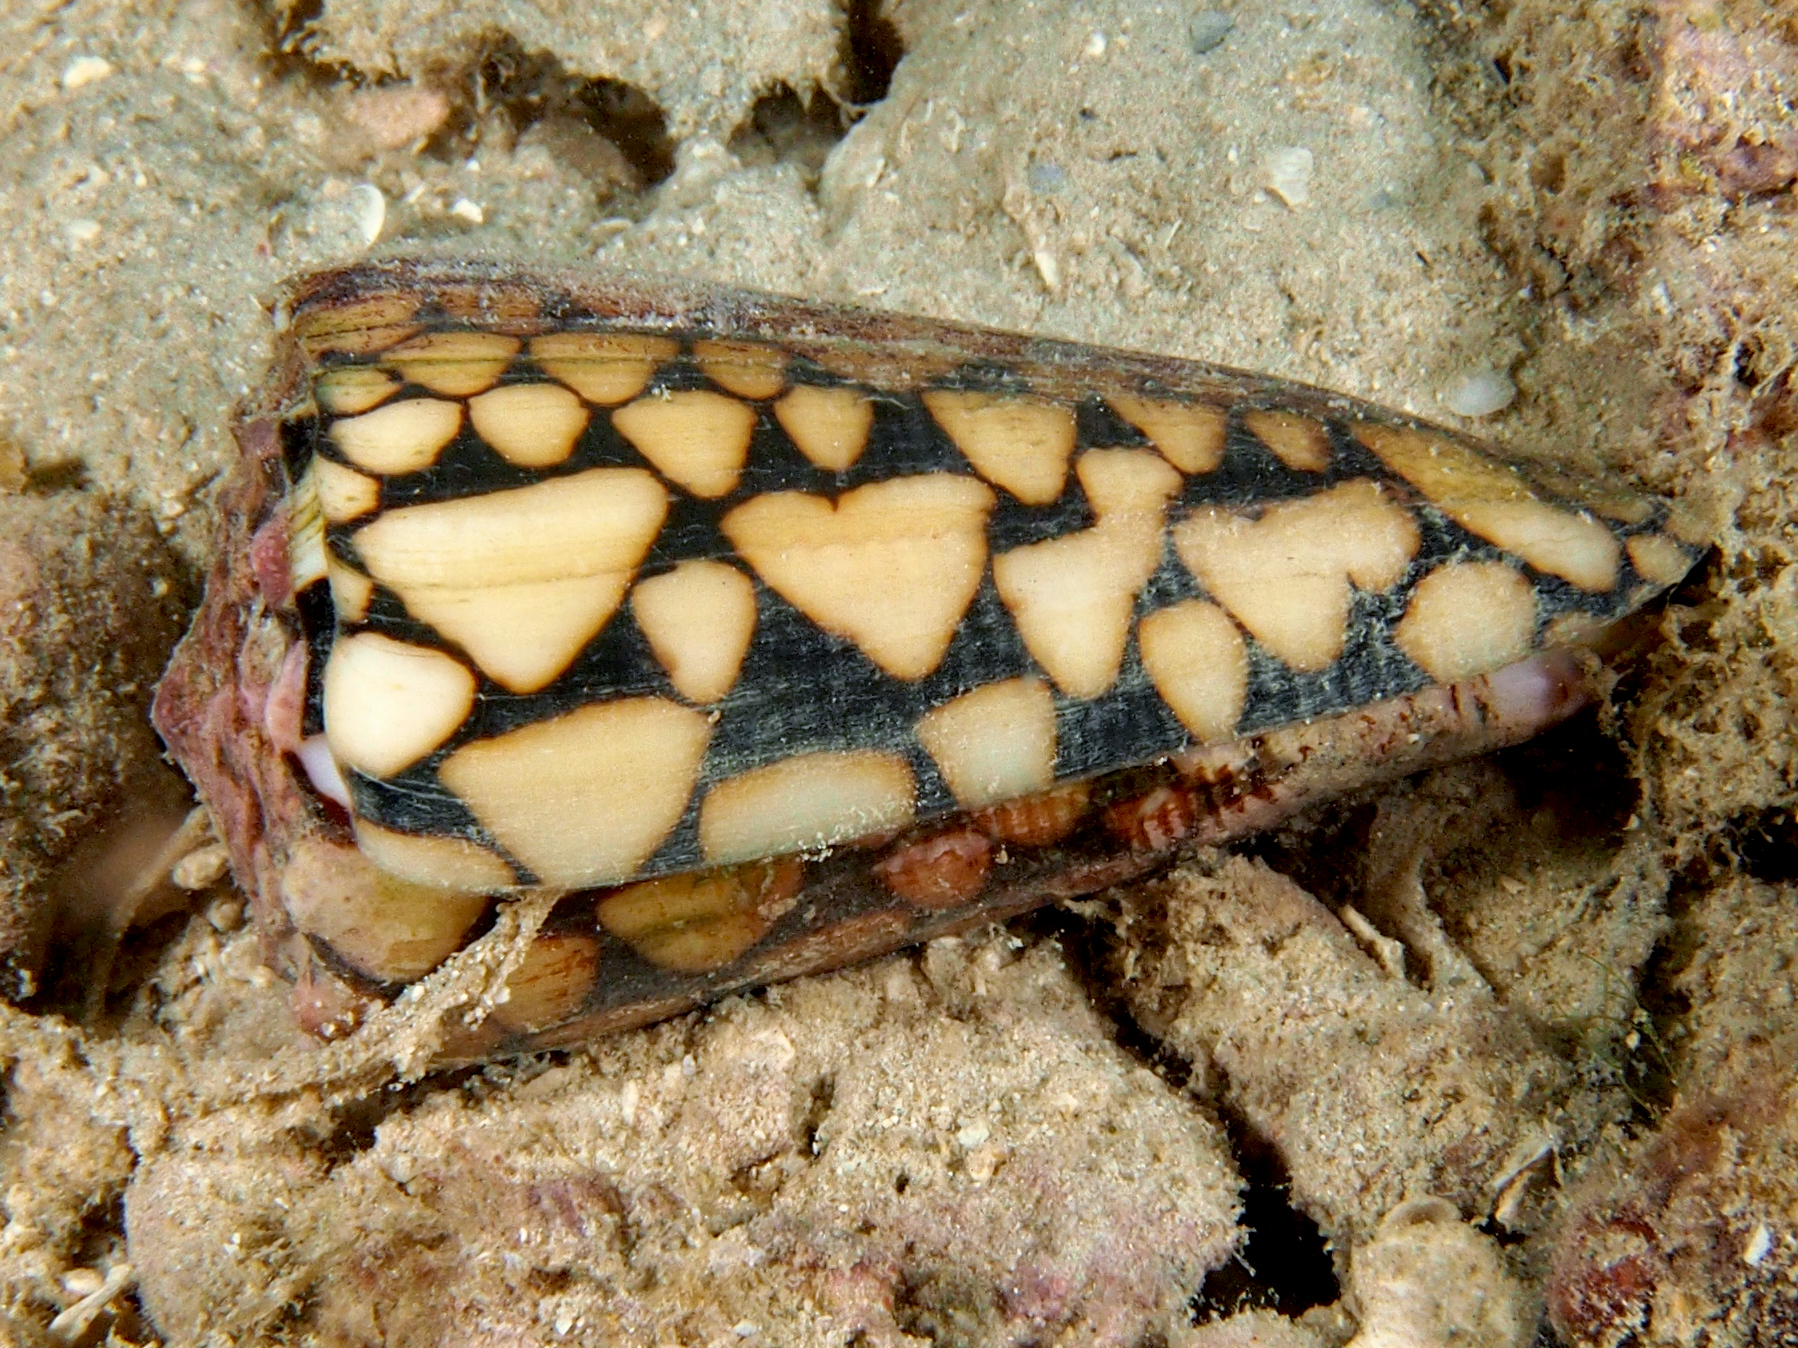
x=590 y=584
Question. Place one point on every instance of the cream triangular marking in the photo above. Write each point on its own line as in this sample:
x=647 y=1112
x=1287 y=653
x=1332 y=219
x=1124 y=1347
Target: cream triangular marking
x=343 y=493
x=604 y=368
x=1302 y=443
x=1199 y=663
x=1072 y=596
x=697 y=438
x=585 y=798
x=1493 y=500
x=306 y=561
x=699 y=619
x=1468 y=618
x=401 y=437
x=522 y=636
x=530 y=425
x=1659 y=559
x=891 y=566
x=349 y=389
x=1020 y=444
x=1189 y=435
x=996 y=743
x=803 y=802
x=390 y=928
x=387 y=704
x=351 y=591
x=830 y=425
x=520 y=579
x=550 y=985
x=1286 y=575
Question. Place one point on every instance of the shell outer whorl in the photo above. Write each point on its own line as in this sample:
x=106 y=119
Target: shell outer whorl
x=777 y=635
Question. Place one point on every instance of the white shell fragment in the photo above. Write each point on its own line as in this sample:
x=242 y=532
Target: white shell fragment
x=85 y=70
x=368 y=207
x=1289 y=174
x=1479 y=393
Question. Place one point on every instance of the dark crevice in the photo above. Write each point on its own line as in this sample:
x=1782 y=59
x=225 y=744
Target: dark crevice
x=823 y=1096
x=1650 y=1073
x=785 y=128
x=634 y=122
x=1284 y=1266
x=607 y=130
x=1578 y=776
x=1748 y=355
x=291 y=37
x=871 y=51
x=292 y=55
x=98 y=1233
x=782 y=128
x=126 y=962
x=533 y=87
x=56 y=475
x=1505 y=1237
x=1765 y=844
x=1085 y=947
x=1664 y=1008
x=356 y=1120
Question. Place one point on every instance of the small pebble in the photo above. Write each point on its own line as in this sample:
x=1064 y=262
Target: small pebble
x=1758 y=1245
x=1480 y=393
x=397 y=115
x=1209 y=29
x=201 y=867
x=464 y=209
x=1289 y=174
x=983 y=1163
x=226 y=915
x=82 y=1282
x=85 y=70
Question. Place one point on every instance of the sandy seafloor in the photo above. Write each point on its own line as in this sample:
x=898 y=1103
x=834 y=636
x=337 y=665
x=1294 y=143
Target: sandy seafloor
x=1538 y=1089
